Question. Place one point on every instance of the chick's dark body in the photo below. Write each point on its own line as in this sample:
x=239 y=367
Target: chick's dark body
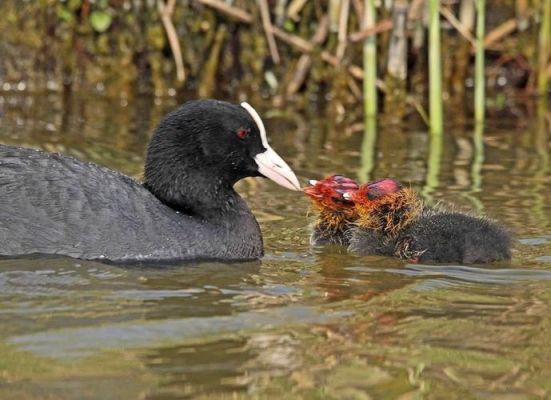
x=438 y=236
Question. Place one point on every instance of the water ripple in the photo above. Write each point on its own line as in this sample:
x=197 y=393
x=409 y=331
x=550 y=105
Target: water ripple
x=81 y=342
x=464 y=273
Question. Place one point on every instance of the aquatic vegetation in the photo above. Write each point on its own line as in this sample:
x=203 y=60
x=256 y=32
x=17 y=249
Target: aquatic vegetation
x=297 y=51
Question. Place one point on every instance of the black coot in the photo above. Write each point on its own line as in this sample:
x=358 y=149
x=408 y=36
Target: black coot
x=186 y=208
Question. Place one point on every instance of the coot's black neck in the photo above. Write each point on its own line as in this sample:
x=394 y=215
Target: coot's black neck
x=220 y=208
x=197 y=193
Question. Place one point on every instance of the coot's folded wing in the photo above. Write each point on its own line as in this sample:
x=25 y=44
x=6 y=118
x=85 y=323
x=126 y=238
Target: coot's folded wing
x=54 y=204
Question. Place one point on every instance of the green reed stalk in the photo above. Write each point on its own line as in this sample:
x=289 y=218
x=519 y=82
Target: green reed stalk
x=435 y=68
x=370 y=62
x=479 y=82
x=544 y=48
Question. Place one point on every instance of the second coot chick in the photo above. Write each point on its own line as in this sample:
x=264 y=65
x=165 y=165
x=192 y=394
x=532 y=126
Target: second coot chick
x=393 y=221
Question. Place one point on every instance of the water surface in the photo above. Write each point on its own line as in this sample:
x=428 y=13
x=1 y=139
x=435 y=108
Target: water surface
x=310 y=323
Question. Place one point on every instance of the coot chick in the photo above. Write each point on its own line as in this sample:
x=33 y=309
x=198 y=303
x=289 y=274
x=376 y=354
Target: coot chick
x=393 y=221
x=334 y=213
x=186 y=209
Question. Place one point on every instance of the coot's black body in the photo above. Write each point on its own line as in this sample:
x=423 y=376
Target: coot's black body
x=186 y=209
x=94 y=213
x=438 y=236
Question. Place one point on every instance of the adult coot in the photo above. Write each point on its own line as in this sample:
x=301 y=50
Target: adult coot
x=186 y=208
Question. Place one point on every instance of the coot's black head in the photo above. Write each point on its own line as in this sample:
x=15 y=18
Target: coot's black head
x=204 y=147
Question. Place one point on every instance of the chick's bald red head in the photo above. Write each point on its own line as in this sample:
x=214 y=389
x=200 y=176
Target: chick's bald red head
x=383 y=205
x=329 y=193
x=373 y=191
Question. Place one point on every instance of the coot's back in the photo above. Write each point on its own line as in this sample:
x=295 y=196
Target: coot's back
x=55 y=204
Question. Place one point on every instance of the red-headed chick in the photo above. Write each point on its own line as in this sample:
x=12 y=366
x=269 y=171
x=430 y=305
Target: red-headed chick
x=334 y=213
x=393 y=221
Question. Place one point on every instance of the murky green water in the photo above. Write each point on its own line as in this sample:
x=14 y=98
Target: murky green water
x=299 y=323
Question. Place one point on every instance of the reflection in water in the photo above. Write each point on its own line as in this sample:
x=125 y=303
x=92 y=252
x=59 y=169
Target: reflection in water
x=187 y=370
x=476 y=168
x=433 y=164
x=314 y=323
x=541 y=175
x=368 y=150
x=478 y=158
x=338 y=283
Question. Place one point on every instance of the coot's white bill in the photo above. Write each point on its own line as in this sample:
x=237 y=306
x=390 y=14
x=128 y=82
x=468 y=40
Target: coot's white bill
x=270 y=164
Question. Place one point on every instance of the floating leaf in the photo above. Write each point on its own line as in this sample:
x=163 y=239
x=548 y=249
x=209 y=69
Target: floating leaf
x=100 y=20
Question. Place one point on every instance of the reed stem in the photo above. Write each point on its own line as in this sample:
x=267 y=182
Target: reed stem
x=370 y=61
x=479 y=82
x=435 y=69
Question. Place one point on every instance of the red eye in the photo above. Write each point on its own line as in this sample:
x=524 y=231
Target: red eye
x=242 y=133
